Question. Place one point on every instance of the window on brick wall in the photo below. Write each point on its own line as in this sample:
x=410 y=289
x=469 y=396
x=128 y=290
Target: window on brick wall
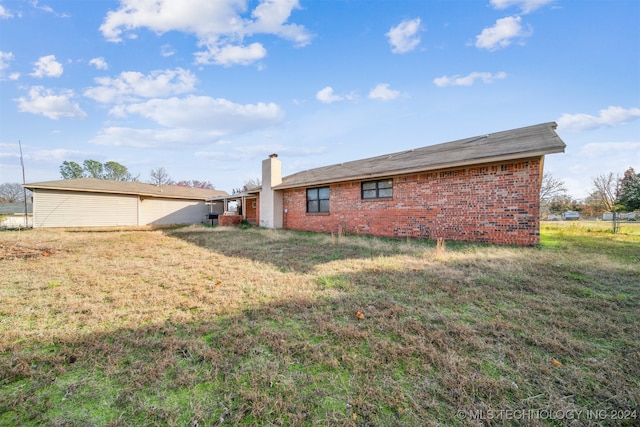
x=318 y=200
x=381 y=189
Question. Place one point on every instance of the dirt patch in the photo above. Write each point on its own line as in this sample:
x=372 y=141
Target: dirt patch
x=21 y=251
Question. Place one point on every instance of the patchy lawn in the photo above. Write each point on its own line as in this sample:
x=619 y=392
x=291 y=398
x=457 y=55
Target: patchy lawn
x=227 y=326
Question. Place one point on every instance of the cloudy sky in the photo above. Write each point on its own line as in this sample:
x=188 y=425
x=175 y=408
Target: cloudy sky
x=208 y=89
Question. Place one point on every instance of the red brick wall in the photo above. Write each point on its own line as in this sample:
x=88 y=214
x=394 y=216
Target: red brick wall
x=252 y=210
x=493 y=203
x=229 y=220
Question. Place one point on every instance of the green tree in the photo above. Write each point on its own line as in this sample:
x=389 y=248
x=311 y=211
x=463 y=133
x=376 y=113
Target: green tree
x=116 y=172
x=629 y=195
x=71 y=170
x=563 y=203
x=93 y=168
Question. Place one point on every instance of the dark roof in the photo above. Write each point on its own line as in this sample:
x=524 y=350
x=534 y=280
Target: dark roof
x=93 y=185
x=531 y=141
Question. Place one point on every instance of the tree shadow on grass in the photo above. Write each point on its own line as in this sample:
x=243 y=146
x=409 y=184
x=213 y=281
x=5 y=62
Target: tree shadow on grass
x=428 y=344
x=424 y=348
x=296 y=251
x=625 y=249
x=298 y=362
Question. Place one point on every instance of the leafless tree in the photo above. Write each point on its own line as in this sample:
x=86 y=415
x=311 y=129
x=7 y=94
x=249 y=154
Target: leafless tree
x=12 y=192
x=249 y=184
x=606 y=190
x=194 y=183
x=160 y=177
x=551 y=188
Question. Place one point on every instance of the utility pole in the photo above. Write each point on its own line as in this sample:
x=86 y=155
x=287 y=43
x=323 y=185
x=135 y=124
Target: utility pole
x=24 y=190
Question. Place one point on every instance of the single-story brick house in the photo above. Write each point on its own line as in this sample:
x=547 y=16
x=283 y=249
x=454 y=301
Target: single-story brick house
x=91 y=202
x=480 y=189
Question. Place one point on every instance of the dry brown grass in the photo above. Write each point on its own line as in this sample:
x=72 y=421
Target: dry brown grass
x=210 y=326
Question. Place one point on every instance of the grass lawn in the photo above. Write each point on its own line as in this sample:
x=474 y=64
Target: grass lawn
x=227 y=326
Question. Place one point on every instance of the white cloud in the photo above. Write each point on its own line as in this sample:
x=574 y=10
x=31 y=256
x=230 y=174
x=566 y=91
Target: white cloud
x=404 y=37
x=231 y=55
x=50 y=104
x=219 y=155
x=526 y=6
x=596 y=150
x=133 y=85
x=250 y=152
x=4 y=13
x=11 y=148
x=502 y=33
x=166 y=50
x=47 y=9
x=204 y=18
x=5 y=58
x=220 y=26
x=57 y=155
x=327 y=96
x=270 y=17
x=382 y=91
x=469 y=79
x=47 y=66
x=203 y=112
x=155 y=138
x=193 y=120
x=99 y=63
x=14 y=76
x=612 y=116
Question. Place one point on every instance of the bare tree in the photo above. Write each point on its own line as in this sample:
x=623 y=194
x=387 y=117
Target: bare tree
x=12 y=192
x=606 y=189
x=249 y=184
x=160 y=177
x=194 y=183
x=551 y=188
x=592 y=206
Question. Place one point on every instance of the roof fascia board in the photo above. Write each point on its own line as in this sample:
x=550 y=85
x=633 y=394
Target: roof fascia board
x=450 y=165
x=126 y=193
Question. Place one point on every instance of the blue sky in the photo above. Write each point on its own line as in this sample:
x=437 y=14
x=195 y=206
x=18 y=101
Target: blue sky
x=208 y=90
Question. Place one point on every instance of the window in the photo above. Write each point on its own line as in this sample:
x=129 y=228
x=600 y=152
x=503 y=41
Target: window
x=377 y=189
x=318 y=200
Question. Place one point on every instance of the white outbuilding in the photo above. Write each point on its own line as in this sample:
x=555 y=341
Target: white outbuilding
x=91 y=202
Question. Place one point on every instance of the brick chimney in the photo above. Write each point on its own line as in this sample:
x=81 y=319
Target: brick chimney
x=270 y=200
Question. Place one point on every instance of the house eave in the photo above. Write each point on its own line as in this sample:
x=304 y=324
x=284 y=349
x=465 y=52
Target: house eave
x=125 y=193
x=91 y=185
x=427 y=168
x=251 y=195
